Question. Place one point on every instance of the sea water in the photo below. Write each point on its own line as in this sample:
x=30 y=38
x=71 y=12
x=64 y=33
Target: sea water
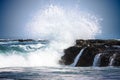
x=39 y=60
x=59 y=73
x=23 y=61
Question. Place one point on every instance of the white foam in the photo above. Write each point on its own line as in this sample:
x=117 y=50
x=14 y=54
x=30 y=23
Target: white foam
x=59 y=25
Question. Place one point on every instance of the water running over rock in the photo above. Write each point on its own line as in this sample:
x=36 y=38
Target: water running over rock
x=77 y=57
x=98 y=53
x=96 y=61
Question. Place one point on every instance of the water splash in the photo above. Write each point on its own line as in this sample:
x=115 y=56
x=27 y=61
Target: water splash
x=61 y=27
x=96 y=61
x=77 y=57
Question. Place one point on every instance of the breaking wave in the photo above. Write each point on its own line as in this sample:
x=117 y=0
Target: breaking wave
x=58 y=25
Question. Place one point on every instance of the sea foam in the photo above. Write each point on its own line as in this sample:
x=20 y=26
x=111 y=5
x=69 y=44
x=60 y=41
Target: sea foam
x=61 y=27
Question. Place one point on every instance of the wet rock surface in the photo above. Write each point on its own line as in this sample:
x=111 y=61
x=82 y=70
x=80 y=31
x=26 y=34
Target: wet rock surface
x=109 y=51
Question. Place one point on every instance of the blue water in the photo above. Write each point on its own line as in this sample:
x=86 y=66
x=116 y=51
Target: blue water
x=60 y=73
x=23 y=61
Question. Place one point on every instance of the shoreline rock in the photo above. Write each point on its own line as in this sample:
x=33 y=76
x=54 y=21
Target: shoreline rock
x=109 y=50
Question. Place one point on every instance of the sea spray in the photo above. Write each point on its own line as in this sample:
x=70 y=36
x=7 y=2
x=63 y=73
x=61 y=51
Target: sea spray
x=61 y=27
x=59 y=24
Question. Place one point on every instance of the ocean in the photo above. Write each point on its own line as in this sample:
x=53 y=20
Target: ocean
x=36 y=60
x=60 y=73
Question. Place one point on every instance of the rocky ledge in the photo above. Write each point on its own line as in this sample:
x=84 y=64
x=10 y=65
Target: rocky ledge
x=96 y=53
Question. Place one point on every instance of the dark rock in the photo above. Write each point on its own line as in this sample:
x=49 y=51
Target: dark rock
x=25 y=40
x=70 y=54
x=104 y=59
x=117 y=60
x=107 y=48
x=87 y=58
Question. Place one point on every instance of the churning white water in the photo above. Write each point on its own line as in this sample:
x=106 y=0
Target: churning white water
x=61 y=27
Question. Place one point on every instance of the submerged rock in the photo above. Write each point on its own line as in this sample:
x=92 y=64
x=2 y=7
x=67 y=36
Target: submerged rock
x=109 y=51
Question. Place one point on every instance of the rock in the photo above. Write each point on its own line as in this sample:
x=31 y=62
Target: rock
x=87 y=58
x=25 y=40
x=117 y=60
x=107 y=48
x=70 y=54
x=104 y=59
